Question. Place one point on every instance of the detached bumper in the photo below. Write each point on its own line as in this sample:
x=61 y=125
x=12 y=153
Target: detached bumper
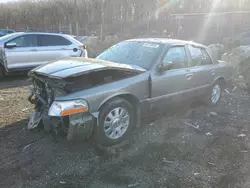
x=80 y=126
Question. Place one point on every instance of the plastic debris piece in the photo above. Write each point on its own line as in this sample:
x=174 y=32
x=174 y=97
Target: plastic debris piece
x=241 y=135
x=133 y=185
x=208 y=134
x=26 y=147
x=167 y=161
x=196 y=127
x=213 y=113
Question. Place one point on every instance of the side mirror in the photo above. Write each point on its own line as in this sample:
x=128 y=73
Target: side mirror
x=10 y=45
x=162 y=67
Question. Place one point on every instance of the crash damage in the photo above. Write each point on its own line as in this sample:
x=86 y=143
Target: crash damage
x=64 y=77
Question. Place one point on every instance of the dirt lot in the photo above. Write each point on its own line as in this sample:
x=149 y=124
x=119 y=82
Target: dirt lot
x=195 y=148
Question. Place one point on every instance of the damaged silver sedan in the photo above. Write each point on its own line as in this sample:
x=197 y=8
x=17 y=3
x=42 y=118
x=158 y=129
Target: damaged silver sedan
x=107 y=96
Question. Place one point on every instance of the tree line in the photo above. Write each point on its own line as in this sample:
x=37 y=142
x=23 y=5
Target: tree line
x=47 y=13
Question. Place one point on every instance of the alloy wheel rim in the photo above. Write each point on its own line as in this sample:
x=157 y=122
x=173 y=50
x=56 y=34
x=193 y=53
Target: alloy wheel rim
x=116 y=123
x=216 y=92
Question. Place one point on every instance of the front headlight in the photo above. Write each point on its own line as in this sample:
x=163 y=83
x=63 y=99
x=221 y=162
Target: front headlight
x=65 y=108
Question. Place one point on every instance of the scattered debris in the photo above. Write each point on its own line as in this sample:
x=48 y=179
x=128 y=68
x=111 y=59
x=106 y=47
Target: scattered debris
x=25 y=109
x=196 y=127
x=133 y=185
x=62 y=182
x=213 y=164
x=213 y=113
x=241 y=78
x=166 y=161
x=208 y=134
x=1 y=98
x=226 y=90
x=196 y=174
x=244 y=151
x=26 y=147
x=241 y=135
x=243 y=86
x=234 y=89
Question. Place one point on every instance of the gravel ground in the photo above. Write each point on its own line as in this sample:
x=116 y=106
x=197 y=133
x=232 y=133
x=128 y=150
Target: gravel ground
x=195 y=148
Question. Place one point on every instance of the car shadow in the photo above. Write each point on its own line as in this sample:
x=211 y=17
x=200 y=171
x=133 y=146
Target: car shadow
x=14 y=81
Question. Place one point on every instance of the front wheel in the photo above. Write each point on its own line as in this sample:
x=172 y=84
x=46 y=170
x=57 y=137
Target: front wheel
x=116 y=122
x=214 y=94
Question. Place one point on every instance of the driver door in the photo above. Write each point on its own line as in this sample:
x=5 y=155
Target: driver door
x=168 y=87
x=25 y=54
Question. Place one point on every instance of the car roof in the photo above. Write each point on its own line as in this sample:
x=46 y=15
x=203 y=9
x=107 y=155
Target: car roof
x=41 y=33
x=167 y=41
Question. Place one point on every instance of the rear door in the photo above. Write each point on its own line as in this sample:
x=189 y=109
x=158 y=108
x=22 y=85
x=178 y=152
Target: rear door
x=52 y=47
x=168 y=86
x=202 y=68
x=25 y=55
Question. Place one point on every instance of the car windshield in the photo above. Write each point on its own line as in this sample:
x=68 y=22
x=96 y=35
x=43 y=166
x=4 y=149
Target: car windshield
x=6 y=37
x=138 y=53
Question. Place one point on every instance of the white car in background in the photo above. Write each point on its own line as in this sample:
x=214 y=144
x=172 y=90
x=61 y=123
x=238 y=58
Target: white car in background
x=24 y=51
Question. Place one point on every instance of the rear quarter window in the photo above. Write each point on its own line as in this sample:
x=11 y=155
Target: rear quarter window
x=53 y=40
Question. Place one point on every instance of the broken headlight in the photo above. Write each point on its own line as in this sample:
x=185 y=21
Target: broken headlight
x=65 y=108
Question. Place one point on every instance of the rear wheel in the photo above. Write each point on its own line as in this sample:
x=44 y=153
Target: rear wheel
x=116 y=122
x=214 y=94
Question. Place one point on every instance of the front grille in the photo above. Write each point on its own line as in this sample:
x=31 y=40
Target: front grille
x=48 y=89
x=44 y=91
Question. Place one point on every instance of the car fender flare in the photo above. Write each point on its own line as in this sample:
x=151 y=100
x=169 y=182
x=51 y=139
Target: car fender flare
x=113 y=96
x=219 y=78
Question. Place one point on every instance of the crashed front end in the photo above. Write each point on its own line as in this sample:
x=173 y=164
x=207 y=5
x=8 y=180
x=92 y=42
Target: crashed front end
x=67 y=93
x=70 y=116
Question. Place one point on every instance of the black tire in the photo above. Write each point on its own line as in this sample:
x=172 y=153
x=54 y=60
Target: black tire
x=208 y=97
x=2 y=72
x=99 y=133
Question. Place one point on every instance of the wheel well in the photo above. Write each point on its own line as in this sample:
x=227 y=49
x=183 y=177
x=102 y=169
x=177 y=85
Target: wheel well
x=133 y=101
x=130 y=98
x=222 y=81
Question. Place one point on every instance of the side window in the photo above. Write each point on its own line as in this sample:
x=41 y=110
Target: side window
x=25 y=41
x=196 y=56
x=176 y=55
x=53 y=40
x=206 y=59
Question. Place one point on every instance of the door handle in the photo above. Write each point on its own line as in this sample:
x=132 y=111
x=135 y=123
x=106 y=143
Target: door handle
x=189 y=76
x=213 y=72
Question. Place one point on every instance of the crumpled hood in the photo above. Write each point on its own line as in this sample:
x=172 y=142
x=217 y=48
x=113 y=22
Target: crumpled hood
x=72 y=67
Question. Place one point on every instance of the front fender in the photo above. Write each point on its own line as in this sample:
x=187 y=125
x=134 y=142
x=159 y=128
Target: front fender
x=112 y=96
